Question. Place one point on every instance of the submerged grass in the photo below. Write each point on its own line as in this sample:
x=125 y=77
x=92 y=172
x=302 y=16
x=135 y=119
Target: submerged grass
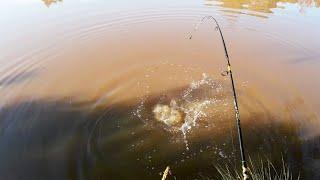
x=263 y=170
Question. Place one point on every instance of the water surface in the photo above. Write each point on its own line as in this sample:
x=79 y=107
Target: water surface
x=79 y=81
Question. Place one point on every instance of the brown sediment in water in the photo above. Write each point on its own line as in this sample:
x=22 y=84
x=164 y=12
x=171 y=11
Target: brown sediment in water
x=73 y=77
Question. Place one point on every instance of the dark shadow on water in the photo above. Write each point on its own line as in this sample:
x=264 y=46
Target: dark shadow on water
x=63 y=139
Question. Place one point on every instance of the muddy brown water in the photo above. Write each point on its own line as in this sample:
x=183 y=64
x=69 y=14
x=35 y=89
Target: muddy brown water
x=79 y=81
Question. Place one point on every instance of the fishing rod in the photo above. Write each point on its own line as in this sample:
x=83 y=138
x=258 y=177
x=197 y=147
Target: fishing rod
x=236 y=107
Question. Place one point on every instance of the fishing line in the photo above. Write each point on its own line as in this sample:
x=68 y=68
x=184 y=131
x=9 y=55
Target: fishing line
x=236 y=107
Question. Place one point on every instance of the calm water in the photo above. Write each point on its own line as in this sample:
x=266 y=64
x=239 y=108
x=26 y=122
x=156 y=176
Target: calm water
x=79 y=81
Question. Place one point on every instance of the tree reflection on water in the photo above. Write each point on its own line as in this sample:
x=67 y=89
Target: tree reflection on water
x=264 y=6
x=48 y=3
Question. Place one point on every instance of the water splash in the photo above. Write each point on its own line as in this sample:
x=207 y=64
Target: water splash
x=183 y=112
x=193 y=113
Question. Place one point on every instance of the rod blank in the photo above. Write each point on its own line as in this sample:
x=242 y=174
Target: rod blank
x=236 y=107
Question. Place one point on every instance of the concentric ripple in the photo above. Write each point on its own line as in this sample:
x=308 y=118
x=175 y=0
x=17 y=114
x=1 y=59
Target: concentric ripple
x=115 y=89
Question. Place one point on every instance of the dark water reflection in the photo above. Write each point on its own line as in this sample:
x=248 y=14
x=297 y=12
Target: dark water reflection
x=74 y=76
